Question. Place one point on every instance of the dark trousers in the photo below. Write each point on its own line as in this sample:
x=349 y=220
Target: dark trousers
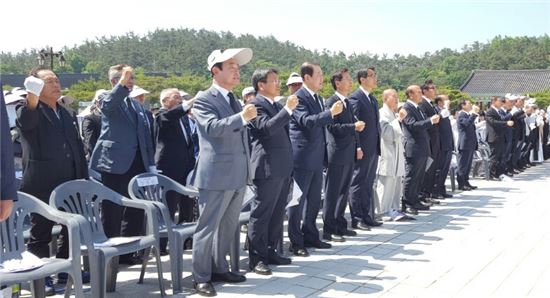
x=429 y=178
x=41 y=236
x=184 y=204
x=414 y=170
x=442 y=171
x=507 y=156
x=362 y=188
x=302 y=217
x=465 y=158
x=266 y=218
x=337 y=186
x=517 y=154
x=495 y=159
x=116 y=219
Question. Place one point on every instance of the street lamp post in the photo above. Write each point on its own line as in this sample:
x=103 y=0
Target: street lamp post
x=43 y=54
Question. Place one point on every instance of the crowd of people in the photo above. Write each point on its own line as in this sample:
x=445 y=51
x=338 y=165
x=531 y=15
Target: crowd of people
x=384 y=163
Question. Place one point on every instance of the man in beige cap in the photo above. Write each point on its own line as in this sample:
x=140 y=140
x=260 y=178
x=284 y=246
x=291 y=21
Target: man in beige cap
x=248 y=94
x=223 y=139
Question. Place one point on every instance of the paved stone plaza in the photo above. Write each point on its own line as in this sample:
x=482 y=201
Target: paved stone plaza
x=493 y=241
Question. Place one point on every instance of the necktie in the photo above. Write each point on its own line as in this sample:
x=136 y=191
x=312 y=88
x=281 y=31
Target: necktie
x=131 y=108
x=318 y=99
x=233 y=103
x=421 y=113
x=276 y=106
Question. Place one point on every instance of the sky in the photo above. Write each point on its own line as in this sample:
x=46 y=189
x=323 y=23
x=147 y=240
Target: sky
x=352 y=26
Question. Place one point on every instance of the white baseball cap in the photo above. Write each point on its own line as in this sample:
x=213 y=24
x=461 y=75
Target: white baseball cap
x=137 y=91
x=247 y=91
x=98 y=93
x=241 y=55
x=294 y=78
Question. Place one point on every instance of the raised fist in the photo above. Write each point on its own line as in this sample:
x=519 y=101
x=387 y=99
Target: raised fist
x=402 y=114
x=510 y=123
x=435 y=119
x=336 y=108
x=292 y=102
x=34 y=85
x=249 y=112
x=359 y=126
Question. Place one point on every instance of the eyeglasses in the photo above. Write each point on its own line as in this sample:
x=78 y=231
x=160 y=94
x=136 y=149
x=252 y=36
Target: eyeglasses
x=432 y=87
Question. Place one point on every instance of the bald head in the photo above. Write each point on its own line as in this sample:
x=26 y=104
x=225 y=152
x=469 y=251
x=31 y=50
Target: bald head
x=414 y=93
x=390 y=99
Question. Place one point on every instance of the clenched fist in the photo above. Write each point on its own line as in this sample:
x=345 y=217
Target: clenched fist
x=510 y=123
x=127 y=73
x=249 y=112
x=336 y=108
x=402 y=114
x=435 y=119
x=359 y=126
x=475 y=109
x=292 y=102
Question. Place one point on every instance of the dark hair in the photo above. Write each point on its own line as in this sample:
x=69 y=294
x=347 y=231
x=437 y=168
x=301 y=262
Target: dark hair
x=260 y=75
x=438 y=99
x=337 y=76
x=307 y=69
x=494 y=98
x=408 y=92
x=35 y=70
x=218 y=65
x=363 y=73
x=462 y=103
x=426 y=85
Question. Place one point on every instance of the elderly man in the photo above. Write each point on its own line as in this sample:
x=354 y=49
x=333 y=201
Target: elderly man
x=391 y=164
x=52 y=154
x=294 y=83
x=124 y=149
x=248 y=94
x=222 y=169
x=174 y=154
x=467 y=143
x=417 y=148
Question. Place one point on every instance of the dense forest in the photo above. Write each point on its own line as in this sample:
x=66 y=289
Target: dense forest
x=184 y=51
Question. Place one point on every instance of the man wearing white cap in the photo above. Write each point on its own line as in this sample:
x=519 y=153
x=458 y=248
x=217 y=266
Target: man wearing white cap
x=294 y=83
x=222 y=169
x=138 y=94
x=248 y=94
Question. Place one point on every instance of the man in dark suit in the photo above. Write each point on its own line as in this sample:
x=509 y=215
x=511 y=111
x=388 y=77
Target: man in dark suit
x=222 y=169
x=271 y=164
x=52 y=153
x=124 y=149
x=417 y=148
x=8 y=192
x=342 y=150
x=429 y=109
x=307 y=134
x=91 y=125
x=495 y=128
x=518 y=116
x=447 y=147
x=365 y=107
x=467 y=143
x=174 y=155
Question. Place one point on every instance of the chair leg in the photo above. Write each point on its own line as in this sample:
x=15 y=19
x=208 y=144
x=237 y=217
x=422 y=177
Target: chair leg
x=234 y=251
x=37 y=288
x=146 y=254
x=176 y=255
x=111 y=271
x=86 y=263
x=159 y=269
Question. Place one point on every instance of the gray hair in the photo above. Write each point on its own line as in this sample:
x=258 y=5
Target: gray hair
x=164 y=93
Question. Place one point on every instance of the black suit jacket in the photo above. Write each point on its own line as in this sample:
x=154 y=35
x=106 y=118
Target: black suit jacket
x=7 y=170
x=467 y=137
x=434 y=133
x=342 y=139
x=53 y=152
x=174 y=156
x=271 y=154
x=495 y=126
x=415 y=132
x=91 y=128
x=446 y=134
x=519 y=125
x=367 y=111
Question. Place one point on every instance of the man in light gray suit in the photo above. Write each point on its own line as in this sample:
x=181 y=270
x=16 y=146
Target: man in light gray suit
x=222 y=169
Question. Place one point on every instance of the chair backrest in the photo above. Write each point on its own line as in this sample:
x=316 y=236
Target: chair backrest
x=12 y=242
x=153 y=187
x=84 y=197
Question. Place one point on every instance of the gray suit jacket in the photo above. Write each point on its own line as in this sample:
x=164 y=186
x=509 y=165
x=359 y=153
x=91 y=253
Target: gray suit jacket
x=223 y=162
x=121 y=134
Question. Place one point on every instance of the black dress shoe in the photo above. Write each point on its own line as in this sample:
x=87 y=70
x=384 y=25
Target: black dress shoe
x=360 y=226
x=420 y=206
x=261 y=268
x=277 y=259
x=432 y=201
x=409 y=210
x=299 y=251
x=465 y=187
x=348 y=233
x=472 y=187
x=372 y=222
x=318 y=244
x=447 y=195
x=229 y=277
x=334 y=237
x=205 y=289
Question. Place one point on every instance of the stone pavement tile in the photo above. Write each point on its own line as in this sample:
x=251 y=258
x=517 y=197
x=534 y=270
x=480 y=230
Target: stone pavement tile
x=299 y=291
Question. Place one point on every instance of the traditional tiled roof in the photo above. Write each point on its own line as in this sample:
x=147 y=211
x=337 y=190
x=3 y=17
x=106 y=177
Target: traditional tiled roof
x=483 y=83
